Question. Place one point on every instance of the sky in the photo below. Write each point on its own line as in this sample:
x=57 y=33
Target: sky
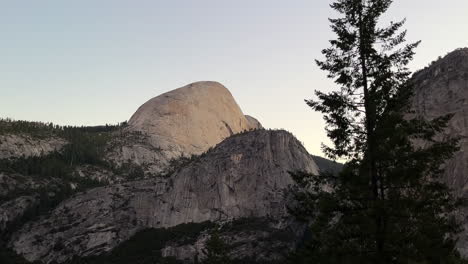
x=92 y=62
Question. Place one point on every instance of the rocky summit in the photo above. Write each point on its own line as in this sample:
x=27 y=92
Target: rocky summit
x=186 y=157
x=187 y=160
x=244 y=176
x=191 y=119
x=184 y=121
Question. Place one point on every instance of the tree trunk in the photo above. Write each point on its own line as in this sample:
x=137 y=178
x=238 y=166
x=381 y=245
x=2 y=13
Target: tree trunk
x=369 y=155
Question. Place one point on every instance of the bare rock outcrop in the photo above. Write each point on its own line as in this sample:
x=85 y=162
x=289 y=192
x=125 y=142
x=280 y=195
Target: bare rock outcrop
x=129 y=147
x=14 y=146
x=190 y=119
x=254 y=123
x=244 y=176
x=185 y=121
x=441 y=89
x=263 y=240
x=13 y=183
x=15 y=209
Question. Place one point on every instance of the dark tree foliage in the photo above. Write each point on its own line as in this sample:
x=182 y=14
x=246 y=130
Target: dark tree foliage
x=7 y=256
x=388 y=205
x=328 y=165
x=146 y=245
x=43 y=130
x=85 y=146
x=82 y=148
x=216 y=250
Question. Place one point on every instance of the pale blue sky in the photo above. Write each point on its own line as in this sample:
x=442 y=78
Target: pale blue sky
x=92 y=62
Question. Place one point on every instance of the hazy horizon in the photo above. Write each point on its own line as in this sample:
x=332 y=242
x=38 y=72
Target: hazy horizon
x=92 y=63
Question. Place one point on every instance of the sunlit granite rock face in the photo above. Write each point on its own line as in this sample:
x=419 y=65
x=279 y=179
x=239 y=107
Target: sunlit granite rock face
x=244 y=176
x=254 y=123
x=442 y=88
x=15 y=146
x=185 y=121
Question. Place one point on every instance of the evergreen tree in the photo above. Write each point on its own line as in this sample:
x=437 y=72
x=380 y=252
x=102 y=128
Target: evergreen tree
x=388 y=205
x=216 y=250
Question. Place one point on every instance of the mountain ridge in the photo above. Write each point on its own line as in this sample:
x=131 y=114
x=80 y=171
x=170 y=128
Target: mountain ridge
x=137 y=184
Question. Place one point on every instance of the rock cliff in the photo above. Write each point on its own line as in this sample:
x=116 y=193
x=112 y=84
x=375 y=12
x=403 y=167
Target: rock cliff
x=244 y=176
x=185 y=121
x=14 y=209
x=441 y=89
x=232 y=175
x=253 y=122
x=13 y=146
